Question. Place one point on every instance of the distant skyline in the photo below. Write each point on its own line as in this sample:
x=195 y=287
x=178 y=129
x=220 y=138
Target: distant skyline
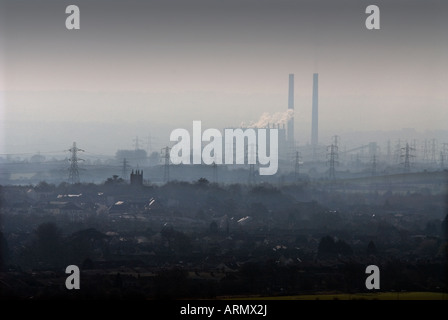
x=140 y=68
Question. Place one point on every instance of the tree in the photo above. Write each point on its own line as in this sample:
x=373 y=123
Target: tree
x=445 y=228
x=114 y=180
x=48 y=244
x=343 y=248
x=4 y=251
x=171 y=284
x=431 y=228
x=258 y=209
x=85 y=243
x=202 y=182
x=48 y=234
x=87 y=264
x=45 y=187
x=328 y=247
x=213 y=227
x=177 y=241
x=371 y=248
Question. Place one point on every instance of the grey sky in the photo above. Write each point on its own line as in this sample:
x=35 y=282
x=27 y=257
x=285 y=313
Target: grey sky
x=148 y=67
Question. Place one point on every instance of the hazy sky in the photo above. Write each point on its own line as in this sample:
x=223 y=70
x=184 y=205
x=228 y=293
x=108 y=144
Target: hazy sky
x=140 y=68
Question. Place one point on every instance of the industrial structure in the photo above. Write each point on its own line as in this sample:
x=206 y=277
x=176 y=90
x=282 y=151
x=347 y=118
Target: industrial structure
x=165 y=154
x=404 y=151
x=283 y=142
x=73 y=171
x=290 y=129
x=315 y=115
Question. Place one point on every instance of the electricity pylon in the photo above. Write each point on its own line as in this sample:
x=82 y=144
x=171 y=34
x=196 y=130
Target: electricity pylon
x=297 y=165
x=165 y=154
x=407 y=157
x=252 y=177
x=374 y=164
x=333 y=160
x=124 y=170
x=73 y=171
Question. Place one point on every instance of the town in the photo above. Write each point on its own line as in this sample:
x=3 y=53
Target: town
x=208 y=240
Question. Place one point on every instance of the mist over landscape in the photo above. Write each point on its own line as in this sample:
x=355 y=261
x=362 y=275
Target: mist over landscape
x=87 y=177
x=146 y=68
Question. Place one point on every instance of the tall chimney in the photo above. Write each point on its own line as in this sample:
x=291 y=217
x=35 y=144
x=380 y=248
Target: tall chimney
x=290 y=134
x=315 y=112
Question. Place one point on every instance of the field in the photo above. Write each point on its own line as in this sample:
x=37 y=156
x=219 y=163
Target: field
x=362 y=296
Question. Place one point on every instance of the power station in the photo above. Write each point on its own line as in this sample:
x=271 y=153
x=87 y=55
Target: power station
x=290 y=129
x=297 y=161
x=314 y=150
x=315 y=112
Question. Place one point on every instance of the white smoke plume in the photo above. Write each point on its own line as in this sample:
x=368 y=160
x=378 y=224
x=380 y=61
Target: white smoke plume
x=267 y=119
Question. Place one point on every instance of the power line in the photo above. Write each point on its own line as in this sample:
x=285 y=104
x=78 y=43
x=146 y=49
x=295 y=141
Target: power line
x=407 y=156
x=297 y=165
x=31 y=153
x=332 y=154
x=215 y=172
x=73 y=175
x=252 y=176
x=124 y=169
x=165 y=153
x=374 y=164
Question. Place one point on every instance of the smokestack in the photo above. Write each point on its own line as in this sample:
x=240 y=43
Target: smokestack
x=315 y=112
x=290 y=134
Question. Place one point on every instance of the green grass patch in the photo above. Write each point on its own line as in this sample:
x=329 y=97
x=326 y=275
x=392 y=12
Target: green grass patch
x=360 y=296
